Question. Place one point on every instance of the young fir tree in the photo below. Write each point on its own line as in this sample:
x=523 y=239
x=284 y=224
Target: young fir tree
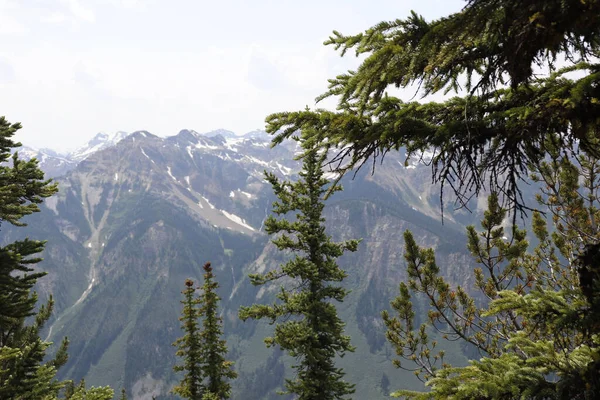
x=216 y=369
x=189 y=347
x=207 y=372
x=23 y=372
x=534 y=321
x=308 y=327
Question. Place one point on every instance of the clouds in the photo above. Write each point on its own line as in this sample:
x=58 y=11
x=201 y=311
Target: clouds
x=7 y=72
x=11 y=25
x=71 y=68
x=77 y=10
x=263 y=72
x=22 y=17
x=54 y=17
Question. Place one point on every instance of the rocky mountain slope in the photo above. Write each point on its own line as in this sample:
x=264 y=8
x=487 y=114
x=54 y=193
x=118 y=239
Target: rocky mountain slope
x=135 y=218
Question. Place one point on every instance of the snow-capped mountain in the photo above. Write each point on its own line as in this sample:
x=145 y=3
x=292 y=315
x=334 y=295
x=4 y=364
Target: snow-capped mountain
x=52 y=163
x=99 y=142
x=55 y=164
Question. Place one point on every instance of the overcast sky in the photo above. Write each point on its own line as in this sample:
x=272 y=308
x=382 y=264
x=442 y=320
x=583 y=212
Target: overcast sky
x=72 y=68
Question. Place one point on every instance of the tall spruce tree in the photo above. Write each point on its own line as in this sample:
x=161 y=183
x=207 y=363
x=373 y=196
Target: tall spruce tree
x=311 y=331
x=207 y=372
x=23 y=372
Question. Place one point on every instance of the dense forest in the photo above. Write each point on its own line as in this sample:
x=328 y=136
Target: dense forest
x=526 y=108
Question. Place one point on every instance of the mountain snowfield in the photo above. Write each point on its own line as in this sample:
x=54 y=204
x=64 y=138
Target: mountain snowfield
x=137 y=214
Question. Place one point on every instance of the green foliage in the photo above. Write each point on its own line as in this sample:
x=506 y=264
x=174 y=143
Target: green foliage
x=80 y=392
x=217 y=370
x=207 y=372
x=22 y=185
x=23 y=372
x=485 y=53
x=189 y=347
x=311 y=330
x=504 y=120
x=532 y=321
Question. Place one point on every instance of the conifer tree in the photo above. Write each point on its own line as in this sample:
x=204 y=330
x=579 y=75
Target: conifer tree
x=534 y=324
x=308 y=326
x=23 y=372
x=504 y=118
x=189 y=347
x=207 y=372
x=216 y=369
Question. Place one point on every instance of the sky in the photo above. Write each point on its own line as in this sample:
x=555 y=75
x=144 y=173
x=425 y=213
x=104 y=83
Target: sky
x=72 y=68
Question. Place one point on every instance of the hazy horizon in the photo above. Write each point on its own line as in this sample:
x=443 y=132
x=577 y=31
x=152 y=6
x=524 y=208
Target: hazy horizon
x=72 y=68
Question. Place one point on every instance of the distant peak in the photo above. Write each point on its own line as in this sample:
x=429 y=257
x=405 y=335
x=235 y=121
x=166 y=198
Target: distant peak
x=100 y=137
x=51 y=152
x=221 y=132
x=103 y=137
x=144 y=134
x=257 y=134
x=188 y=133
x=101 y=141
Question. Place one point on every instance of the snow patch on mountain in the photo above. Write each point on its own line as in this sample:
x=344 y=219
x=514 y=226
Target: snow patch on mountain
x=237 y=220
x=189 y=151
x=205 y=145
x=284 y=170
x=208 y=202
x=170 y=174
x=146 y=155
x=256 y=161
x=248 y=195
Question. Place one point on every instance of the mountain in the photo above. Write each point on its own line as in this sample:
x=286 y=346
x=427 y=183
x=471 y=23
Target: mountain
x=223 y=132
x=56 y=164
x=136 y=218
x=52 y=163
x=99 y=142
